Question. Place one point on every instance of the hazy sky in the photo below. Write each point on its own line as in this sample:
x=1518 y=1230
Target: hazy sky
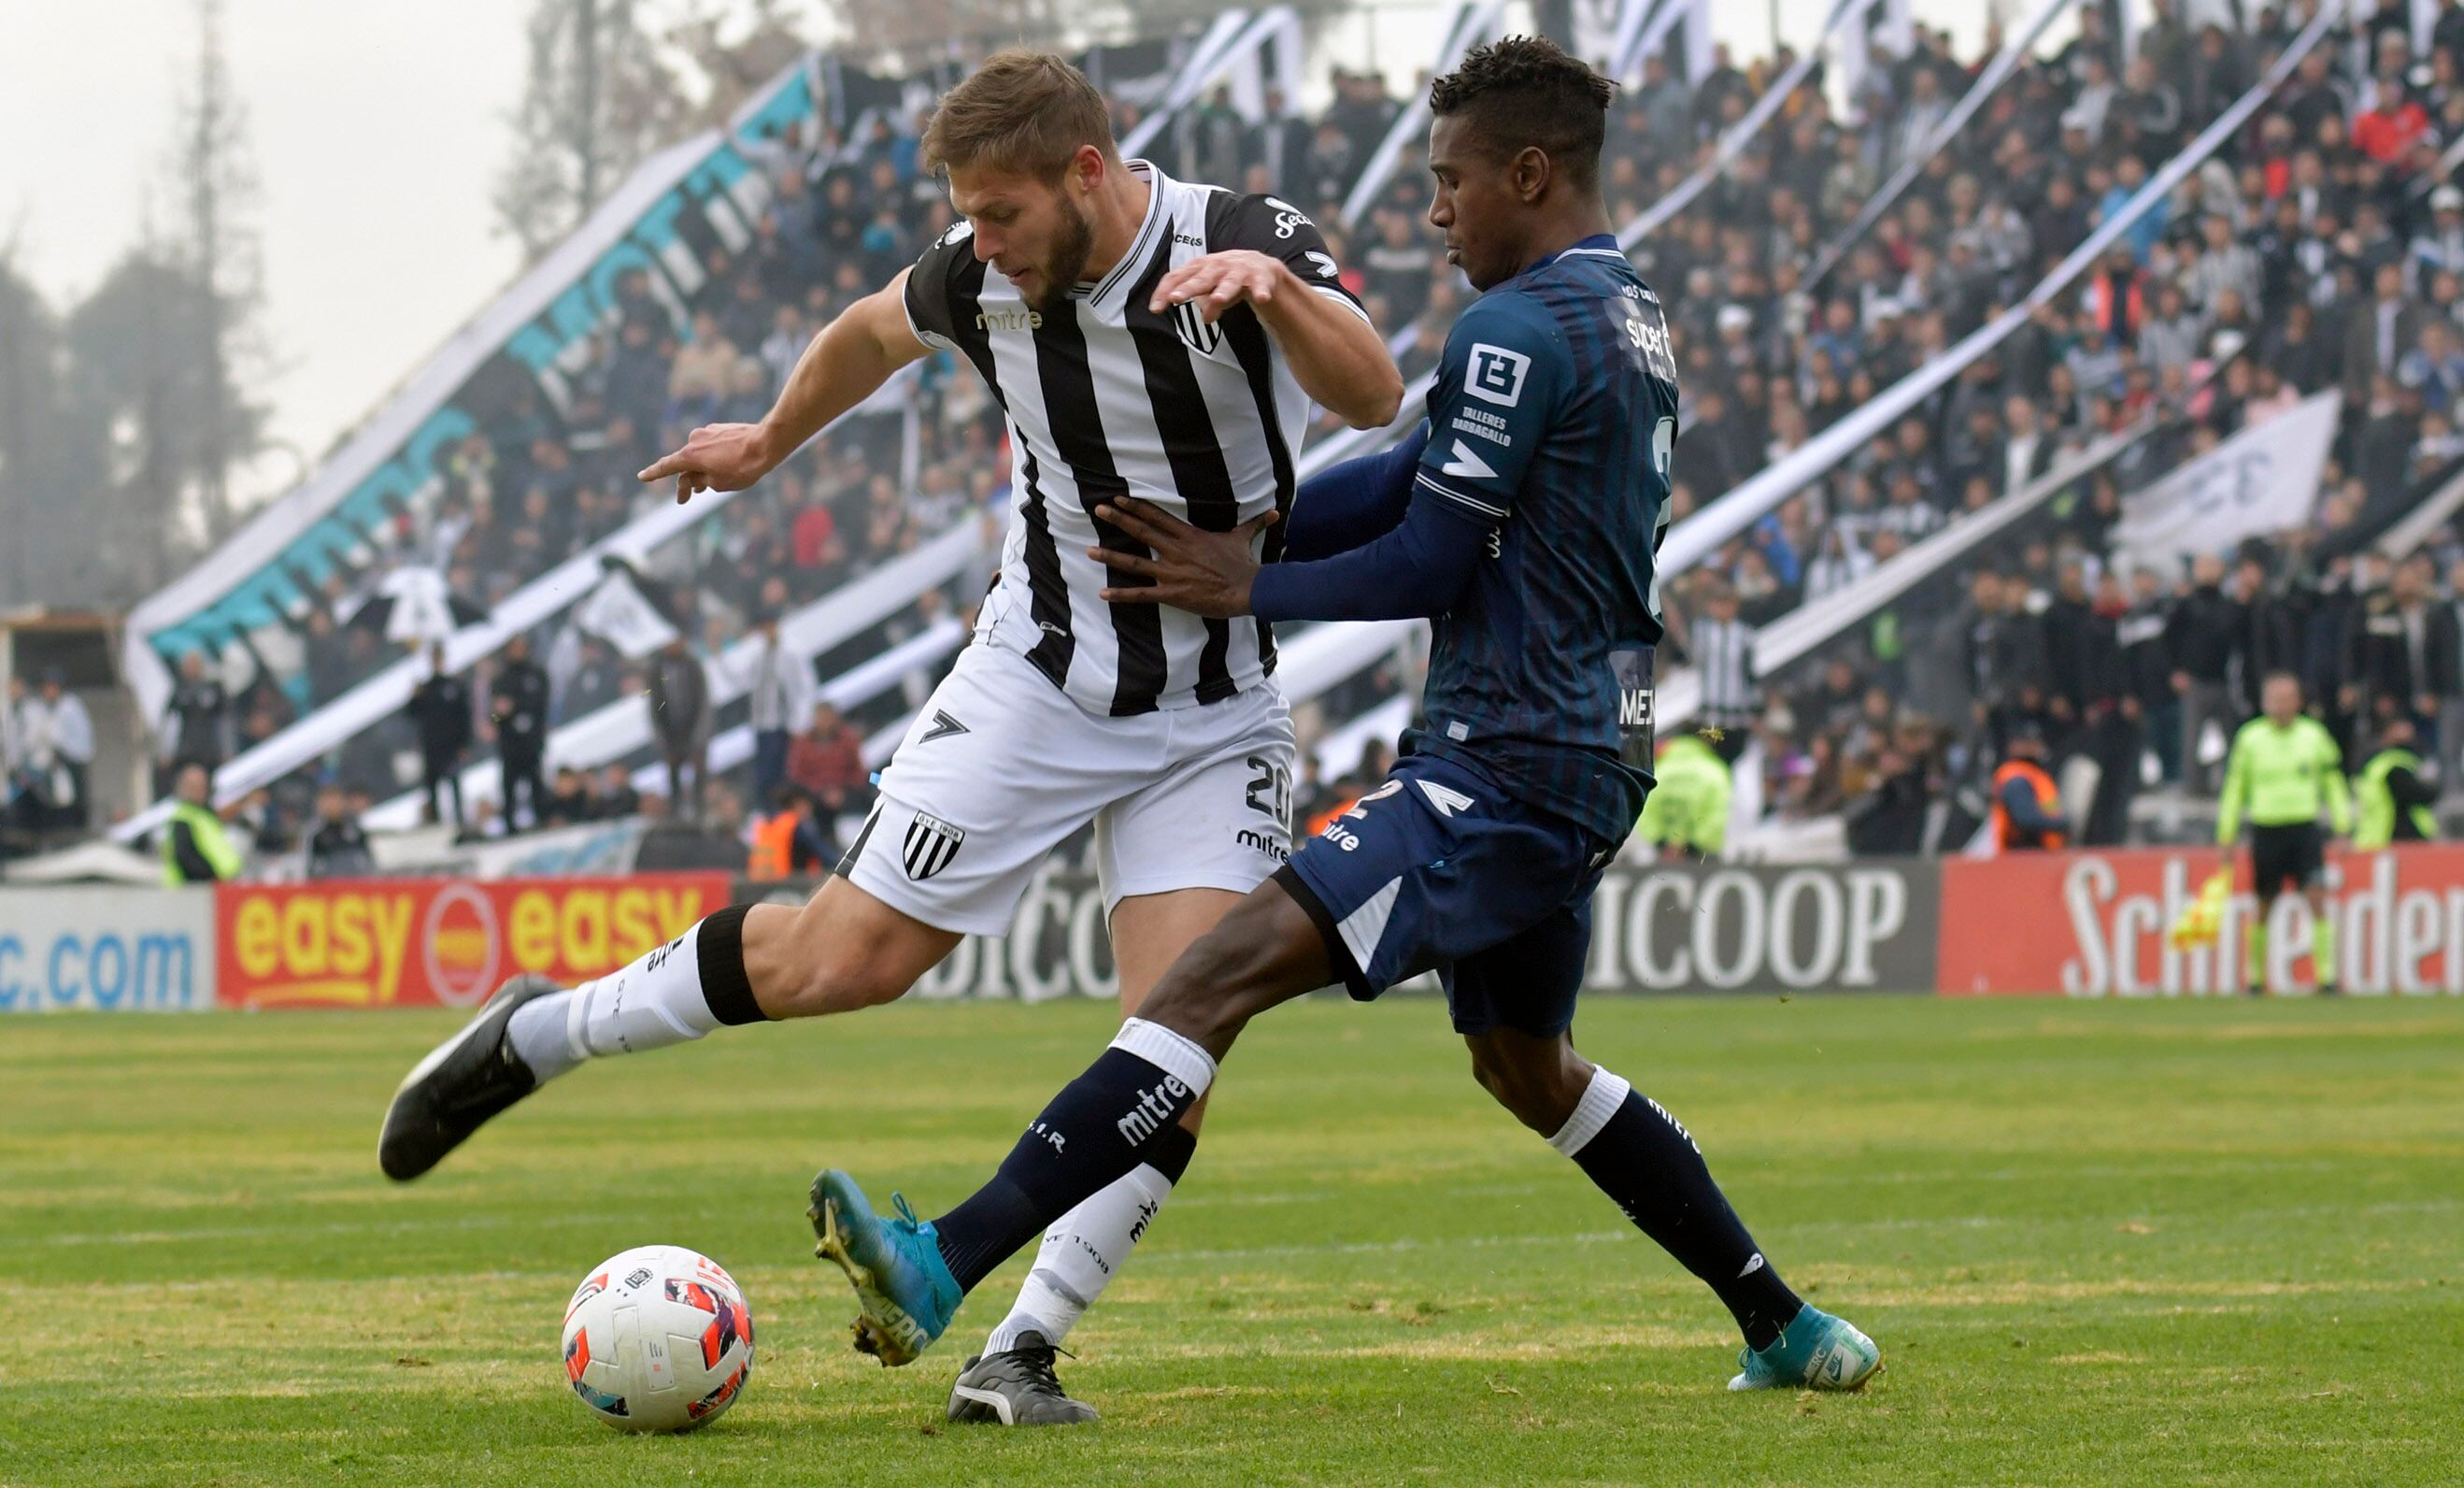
x=377 y=129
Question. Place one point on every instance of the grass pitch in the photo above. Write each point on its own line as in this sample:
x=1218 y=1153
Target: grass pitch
x=2176 y=1242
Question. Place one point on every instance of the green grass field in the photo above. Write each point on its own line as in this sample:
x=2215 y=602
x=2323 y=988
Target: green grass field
x=2179 y=1242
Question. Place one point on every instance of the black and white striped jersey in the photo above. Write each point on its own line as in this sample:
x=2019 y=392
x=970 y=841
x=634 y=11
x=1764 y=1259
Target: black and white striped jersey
x=1108 y=398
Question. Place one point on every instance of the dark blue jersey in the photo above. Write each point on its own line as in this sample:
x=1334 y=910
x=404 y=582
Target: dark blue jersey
x=1552 y=419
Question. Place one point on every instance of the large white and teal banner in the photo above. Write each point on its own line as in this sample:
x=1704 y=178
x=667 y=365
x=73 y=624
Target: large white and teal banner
x=679 y=214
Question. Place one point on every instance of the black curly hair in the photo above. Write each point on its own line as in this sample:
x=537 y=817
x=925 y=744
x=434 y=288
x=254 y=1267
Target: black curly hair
x=1526 y=91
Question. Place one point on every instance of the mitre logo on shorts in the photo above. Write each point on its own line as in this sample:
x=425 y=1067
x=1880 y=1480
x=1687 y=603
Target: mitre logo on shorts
x=930 y=844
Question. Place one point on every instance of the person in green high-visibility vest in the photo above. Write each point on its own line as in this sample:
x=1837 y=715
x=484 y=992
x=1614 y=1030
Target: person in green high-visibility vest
x=1686 y=813
x=2391 y=803
x=195 y=847
x=2283 y=769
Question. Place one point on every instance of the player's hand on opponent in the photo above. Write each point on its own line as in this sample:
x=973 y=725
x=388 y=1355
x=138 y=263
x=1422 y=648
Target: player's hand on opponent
x=1206 y=573
x=1219 y=282
x=715 y=458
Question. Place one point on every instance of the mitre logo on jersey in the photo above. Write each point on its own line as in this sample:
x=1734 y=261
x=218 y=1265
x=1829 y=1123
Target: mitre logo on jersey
x=1497 y=374
x=1195 y=331
x=930 y=844
x=1019 y=320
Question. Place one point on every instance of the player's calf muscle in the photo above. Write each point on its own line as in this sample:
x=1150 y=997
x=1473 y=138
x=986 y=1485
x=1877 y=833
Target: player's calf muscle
x=834 y=956
x=1539 y=1080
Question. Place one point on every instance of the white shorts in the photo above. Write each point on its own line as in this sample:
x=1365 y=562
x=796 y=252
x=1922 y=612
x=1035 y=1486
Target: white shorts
x=1000 y=766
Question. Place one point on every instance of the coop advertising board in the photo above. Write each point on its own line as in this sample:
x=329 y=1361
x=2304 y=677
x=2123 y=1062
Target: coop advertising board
x=1865 y=925
x=424 y=942
x=107 y=949
x=2094 y=924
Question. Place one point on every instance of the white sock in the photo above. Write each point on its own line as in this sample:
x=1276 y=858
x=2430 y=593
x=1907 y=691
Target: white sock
x=1080 y=1256
x=656 y=1002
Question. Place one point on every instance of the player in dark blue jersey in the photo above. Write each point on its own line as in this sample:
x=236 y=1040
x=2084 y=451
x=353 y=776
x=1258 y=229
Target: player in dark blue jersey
x=1523 y=516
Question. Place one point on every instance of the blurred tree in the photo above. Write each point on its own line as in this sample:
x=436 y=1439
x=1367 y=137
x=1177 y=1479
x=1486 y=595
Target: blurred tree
x=735 y=47
x=49 y=457
x=599 y=99
x=165 y=417
x=218 y=249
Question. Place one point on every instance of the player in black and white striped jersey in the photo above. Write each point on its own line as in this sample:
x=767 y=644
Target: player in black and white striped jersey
x=1108 y=395
x=1146 y=338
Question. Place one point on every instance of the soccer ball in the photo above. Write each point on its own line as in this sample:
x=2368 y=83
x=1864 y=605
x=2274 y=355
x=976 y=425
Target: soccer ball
x=659 y=1339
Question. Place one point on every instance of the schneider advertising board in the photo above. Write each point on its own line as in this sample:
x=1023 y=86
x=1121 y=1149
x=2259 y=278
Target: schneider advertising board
x=2093 y=924
x=1863 y=926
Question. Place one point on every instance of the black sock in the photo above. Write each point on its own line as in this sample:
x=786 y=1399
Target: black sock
x=720 y=958
x=1124 y=1111
x=1639 y=1156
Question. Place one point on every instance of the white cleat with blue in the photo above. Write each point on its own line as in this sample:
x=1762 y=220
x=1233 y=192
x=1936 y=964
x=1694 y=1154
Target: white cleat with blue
x=1815 y=1351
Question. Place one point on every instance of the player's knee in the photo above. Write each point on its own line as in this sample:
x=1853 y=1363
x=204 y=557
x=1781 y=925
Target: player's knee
x=1263 y=952
x=1539 y=1080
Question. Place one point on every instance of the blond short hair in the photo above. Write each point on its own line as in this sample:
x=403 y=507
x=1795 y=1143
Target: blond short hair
x=1024 y=112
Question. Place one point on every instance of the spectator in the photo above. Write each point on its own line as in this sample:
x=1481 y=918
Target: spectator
x=1686 y=817
x=680 y=721
x=338 y=848
x=196 y=848
x=440 y=711
x=61 y=732
x=517 y=707
x=617 y=799
x=2380 y=332
x=200 y=713
x=780 y=692
x=571 y=802
x=2026 y=809
x=1721 y=649
x=2200 y=638
x=827 y=763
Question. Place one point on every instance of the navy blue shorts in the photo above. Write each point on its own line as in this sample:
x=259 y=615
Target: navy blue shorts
x=1436 y=869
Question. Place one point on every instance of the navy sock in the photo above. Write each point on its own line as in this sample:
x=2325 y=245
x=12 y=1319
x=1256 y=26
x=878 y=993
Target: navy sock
x=1124 y=1111
x=1637 y=1154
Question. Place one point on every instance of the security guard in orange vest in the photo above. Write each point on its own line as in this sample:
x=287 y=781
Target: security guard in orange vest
x=2027 y=806
x=789 y=841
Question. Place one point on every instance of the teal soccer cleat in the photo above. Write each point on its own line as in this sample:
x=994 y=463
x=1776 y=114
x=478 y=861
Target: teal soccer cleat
x=1816 y=1352
x=903 y=1286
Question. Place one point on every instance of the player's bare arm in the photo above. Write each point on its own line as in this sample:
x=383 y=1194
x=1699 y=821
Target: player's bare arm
x=1336 y=354
x=842 y=367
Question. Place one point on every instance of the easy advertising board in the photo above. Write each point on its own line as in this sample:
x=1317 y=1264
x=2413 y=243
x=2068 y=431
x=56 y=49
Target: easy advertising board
x=382 y=943
x=116 y=949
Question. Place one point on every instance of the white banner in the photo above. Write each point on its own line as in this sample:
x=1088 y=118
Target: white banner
x=107 y=949
x=2263 y=479
x=617 y=613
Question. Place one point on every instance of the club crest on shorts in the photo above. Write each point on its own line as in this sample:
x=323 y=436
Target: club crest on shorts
x=930 y=844
x=1201 y=336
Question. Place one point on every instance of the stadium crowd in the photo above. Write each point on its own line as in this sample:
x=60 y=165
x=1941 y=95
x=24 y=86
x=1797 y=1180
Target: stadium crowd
x=2321 y=249
x=2323 y=245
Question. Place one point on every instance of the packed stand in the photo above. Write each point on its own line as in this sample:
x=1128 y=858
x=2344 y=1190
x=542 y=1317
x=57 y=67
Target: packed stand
x=2322 y=249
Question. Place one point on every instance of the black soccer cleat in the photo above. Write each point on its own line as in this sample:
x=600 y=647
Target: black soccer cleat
x=1015 y=1387
x=462 y=1082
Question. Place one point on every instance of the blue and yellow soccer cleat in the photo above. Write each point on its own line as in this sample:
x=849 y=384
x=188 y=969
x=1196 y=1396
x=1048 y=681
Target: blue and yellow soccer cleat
x=903 y=1286
x=1816 y=1352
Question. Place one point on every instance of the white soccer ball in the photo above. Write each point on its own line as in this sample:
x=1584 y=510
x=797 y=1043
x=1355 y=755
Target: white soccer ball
x=659 y=1339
